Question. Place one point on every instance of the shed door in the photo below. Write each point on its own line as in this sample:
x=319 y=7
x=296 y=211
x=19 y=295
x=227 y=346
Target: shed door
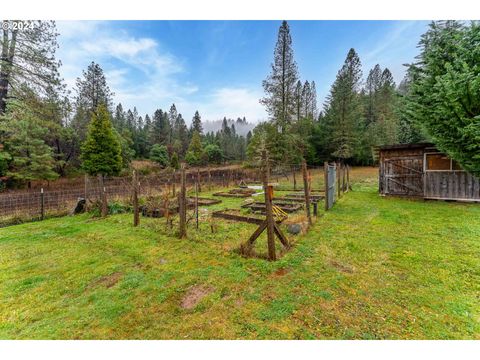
x=404 y=176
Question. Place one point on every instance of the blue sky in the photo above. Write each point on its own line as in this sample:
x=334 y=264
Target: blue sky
x=217 y=67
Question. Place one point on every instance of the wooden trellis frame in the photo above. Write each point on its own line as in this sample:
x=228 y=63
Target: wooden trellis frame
x=269 y=223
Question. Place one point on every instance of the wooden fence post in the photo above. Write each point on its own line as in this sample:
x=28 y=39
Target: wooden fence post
x=349 y=187
x=268 y=208
x=337 y=173
x=136 y=215
x=199 y=188
x=294 y=178
x=174 y=190
x=85 y=179
x=104 y=205
x=327 y=185
x=306 y=190
x=343 y=177
x=166 y=205
x=209 y=180
x=182 y=208
x=42 y=204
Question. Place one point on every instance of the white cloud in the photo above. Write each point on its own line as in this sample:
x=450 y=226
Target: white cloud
x=235 y=102
x=122 y=56
x=142 y=74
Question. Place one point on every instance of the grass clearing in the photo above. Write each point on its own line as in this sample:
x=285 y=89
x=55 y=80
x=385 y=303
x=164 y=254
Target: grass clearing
x=371 y=268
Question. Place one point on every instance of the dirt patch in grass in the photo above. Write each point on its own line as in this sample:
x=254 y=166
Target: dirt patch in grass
x=342 y=267
x=194 y=295
x=281 y=272
x=108 y=280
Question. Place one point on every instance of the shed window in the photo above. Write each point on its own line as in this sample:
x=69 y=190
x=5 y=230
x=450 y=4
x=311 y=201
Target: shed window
x=438 y=162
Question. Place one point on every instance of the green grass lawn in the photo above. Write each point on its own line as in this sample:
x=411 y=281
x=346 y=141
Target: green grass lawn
x=371 y=268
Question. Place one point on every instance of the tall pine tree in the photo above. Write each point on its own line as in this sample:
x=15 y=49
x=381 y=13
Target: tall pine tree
x=343 y=108
x=197 y=124
x=280 y=85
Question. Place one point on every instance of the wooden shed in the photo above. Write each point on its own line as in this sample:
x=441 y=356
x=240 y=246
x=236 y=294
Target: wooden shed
x=420 y=170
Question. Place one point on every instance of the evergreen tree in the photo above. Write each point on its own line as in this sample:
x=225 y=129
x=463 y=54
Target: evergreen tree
x=343 y=108
x=298 y=100
x=148 y=123
x=27 y=57
x=126 y=144
x=280 y=85
x=408 y=130
x=160 y=129
x=174 y=162
x=29 y=157
x=313 y=101
x=372 y=87
x=141 y=143
x=180 y=136
x=119 y=120
x=381 y=122
x=444 y=94
x=197 y=124
x=249 y=137
x=306 y=100
x=386 y=108
x=172 y=119
x=101 y=151
x=214 y=153
x=92 y=90
x=195 y=154
x=159 y=154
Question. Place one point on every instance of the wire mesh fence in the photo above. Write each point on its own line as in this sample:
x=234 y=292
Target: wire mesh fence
x=60 y=198
x=37 y=203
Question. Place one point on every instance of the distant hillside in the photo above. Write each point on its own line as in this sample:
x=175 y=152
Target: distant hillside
x=242 y=127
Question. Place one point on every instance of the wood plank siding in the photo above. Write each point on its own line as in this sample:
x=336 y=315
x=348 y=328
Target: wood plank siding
x=420 y=170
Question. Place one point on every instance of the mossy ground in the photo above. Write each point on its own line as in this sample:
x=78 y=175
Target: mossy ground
x=371 y=268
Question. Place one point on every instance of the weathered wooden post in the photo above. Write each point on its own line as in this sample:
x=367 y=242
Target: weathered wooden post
x=294 y=178
x=349 y=187
x=306 y=190
x=42 y=204
x=268 y=208
x=327 y=185
x=136 y=215
x=182 y=208
x=199 y=188
x=338 y=172
x=209 y=180
x=103 y=194
x=85 y=180
x=196 y=204
x=344 y=177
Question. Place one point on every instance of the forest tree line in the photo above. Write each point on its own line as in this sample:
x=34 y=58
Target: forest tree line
x=358 y=114
x=47 y=132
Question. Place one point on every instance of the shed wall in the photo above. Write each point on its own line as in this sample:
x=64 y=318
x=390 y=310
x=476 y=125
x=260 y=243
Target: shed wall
x=403 y=173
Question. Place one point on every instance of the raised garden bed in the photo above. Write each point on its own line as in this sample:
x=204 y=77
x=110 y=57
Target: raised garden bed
x=173 y=209
x=235 y=215
x=202 y=201
x=237 y=193
x=288 y=207
x=300 y=197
